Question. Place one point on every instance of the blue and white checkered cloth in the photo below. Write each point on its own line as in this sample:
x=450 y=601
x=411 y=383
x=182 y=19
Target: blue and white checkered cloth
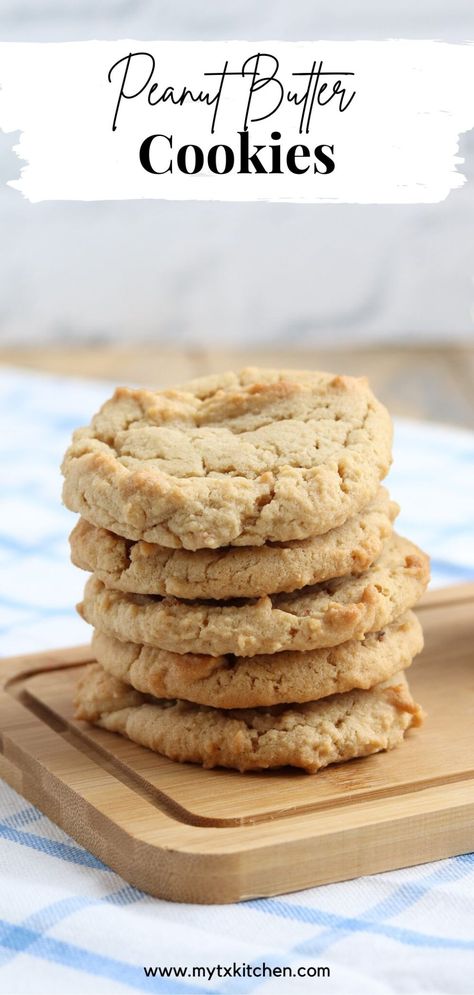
x=70 y=925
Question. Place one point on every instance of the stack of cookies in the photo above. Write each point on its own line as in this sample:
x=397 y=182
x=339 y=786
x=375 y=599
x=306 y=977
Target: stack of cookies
x=251 y=603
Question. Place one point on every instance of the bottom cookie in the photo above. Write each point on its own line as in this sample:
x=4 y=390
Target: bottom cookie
x=262 y=681
x=309 y=736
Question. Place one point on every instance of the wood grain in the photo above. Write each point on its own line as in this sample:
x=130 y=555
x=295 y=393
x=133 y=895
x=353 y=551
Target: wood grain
x=186 y=834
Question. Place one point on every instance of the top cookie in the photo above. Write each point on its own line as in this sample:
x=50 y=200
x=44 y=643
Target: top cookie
x=235 y=459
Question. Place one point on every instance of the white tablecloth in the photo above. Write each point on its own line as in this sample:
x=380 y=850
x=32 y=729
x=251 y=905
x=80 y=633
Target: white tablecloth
x=70 y=925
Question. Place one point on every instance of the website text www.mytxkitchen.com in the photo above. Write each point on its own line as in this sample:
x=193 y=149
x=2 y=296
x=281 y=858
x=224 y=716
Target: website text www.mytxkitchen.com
x=238 y=971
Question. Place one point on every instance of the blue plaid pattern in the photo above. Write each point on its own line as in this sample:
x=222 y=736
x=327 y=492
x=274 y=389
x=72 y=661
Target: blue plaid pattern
x=70 y=924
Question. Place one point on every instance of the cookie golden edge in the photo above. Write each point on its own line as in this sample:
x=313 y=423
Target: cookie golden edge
x=309 y=736
x=326 y=615
x=252 y=682
x=146 y=568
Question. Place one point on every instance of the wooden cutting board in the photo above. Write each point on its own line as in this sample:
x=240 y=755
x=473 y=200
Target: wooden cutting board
x=187 y=834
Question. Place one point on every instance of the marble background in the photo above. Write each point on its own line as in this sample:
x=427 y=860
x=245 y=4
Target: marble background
x=235 y=274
